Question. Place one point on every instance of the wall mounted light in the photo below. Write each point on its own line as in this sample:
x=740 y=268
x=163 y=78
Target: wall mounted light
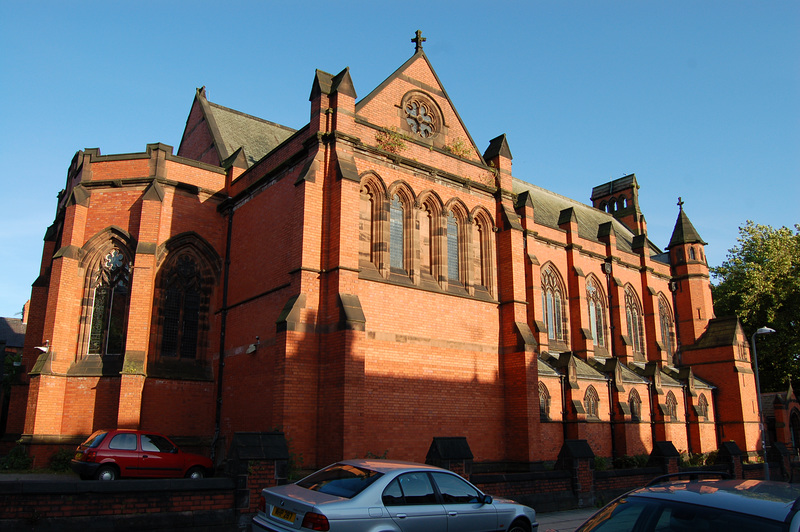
x=252 y=348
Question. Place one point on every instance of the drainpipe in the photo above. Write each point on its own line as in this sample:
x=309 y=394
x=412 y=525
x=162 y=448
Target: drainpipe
x=686 y=406
x=563 y=380
x=222 y=330
x=611 y=416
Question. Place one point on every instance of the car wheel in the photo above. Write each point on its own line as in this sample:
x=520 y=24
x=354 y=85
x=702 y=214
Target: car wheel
x=519 y=526
x=106 y=473
x=196 y=472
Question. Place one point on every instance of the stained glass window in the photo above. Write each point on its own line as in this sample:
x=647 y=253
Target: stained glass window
x=110 y=306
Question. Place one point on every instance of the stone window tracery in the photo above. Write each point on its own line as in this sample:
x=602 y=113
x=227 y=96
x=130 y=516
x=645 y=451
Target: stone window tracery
x=672 y=407
x=596 y=301
x=665 y=320
x=635 y=404
x=591 y=403
x=552 y=298
x=110 y=299
x=633 y=315
x=420 y=117
x=182 y=309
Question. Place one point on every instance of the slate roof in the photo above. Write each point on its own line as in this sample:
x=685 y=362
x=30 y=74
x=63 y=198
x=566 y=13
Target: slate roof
x=628 y=375
x=239 y=130
x=720 y=332
x=547 y=207
x=12 y=330
x=684 y=232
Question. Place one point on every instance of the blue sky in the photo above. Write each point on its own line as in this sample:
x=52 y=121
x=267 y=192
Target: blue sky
x=701 y=99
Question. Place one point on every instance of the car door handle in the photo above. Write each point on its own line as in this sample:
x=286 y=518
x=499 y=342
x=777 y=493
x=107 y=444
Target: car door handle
x=144 y=456
x=401 y=516
x=452 y=514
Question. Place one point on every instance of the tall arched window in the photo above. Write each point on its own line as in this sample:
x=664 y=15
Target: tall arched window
x=591 y=403
x=665 y=320
x=544 y=403
x=672 y=407
x=396 y=234
x=633 y=315
x=596 y=302
x=181 y=309
x=453 y=247
x=552 y=298
x=482 y=246
x=635 y=405
x=109 y=305
x=188 y=272
x=702 y=406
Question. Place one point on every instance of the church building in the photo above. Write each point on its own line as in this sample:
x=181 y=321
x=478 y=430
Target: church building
x=365 y=283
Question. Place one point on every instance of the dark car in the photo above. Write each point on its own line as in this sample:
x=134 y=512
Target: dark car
x=702 y=506
x=387 y=496
x=112 y=454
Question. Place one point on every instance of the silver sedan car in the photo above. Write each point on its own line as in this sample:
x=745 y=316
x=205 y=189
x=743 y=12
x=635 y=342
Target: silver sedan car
x=388 y=496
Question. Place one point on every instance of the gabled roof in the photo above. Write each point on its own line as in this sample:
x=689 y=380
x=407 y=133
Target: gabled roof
x=239 y=130
x=232 y=130
x=12 y=330
x=400 y=74
x=684 y=232
x=547 y=207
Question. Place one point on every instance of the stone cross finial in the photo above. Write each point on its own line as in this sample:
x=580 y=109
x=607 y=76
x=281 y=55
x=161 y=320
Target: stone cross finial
x=680 y=203
x=418 y=40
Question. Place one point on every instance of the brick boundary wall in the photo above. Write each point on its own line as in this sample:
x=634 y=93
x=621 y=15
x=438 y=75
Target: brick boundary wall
x=152 y=505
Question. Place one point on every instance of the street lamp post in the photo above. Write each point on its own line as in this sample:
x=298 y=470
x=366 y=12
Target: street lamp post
x=761 y=421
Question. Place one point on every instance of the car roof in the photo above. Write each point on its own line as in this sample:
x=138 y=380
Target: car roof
x=386 y=466
x=773 y=500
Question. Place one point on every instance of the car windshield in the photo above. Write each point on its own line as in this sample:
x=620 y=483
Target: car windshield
x=95 y=439
x=658 y=515
x=341 y=480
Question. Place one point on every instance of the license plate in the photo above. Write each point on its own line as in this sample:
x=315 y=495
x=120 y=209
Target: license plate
x=280 y=513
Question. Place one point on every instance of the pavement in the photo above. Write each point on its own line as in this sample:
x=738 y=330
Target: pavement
x=566 y=521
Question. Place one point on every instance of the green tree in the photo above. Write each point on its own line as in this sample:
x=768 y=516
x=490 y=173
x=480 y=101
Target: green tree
x=760 y=283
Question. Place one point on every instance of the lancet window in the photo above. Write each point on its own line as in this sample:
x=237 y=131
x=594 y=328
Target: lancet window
x=596 y=303
x=552 y=303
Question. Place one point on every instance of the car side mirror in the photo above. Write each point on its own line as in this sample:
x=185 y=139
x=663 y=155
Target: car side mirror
x=487 y=499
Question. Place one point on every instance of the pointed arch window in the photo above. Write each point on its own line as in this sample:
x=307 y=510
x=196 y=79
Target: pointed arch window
x=182 y=298
x=396 y=234
x=110 y=299
x=552 y=298
x=482 y=246
x=591 y=403
x=544 y=403
x=453 y=248
x=672 y=407
x=702 y=407
x=635 y=405
x=633 y=315
x=596 y=301
x=665 y=320
x=366 y=249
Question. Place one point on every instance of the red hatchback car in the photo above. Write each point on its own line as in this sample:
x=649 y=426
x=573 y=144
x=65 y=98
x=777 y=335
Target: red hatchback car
x=112 y=454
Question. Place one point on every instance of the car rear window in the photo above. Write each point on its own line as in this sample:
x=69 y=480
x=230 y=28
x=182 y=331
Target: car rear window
x=95 y=439
x=341 y=480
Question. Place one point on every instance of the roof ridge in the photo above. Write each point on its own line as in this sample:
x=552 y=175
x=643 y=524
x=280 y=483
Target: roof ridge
x=240 y=113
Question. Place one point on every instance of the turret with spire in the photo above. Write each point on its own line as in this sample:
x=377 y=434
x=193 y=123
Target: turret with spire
x=691 y=285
